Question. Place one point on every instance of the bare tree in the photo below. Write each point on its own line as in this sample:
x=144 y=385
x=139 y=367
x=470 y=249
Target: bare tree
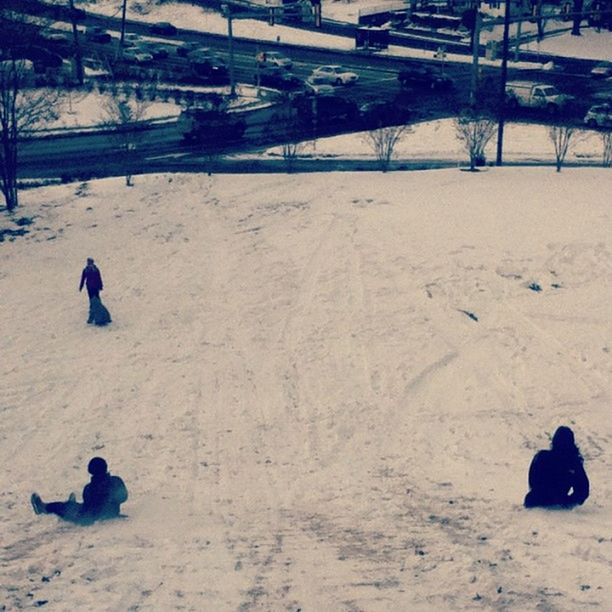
x=606 y=138
x=22 y=109
x=475 y=130
x=286 y=124
x=561 y=136
x=124 y=110
x=383 y=140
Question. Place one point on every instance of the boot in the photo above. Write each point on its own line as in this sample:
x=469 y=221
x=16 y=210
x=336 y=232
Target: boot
x=38 y=504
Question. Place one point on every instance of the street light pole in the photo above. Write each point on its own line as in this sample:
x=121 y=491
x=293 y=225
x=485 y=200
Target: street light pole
x=475 y=55
x=230 y=48
x=123 y=10
x=80 y=73
x=502 y=90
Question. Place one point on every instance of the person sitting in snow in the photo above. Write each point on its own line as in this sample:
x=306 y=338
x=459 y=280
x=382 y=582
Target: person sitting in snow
x=102 y=498
x=557 y=476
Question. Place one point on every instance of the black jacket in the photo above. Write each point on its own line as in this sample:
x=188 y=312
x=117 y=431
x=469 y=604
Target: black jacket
x=103 y=496
x=552 y=475
x=92 y=278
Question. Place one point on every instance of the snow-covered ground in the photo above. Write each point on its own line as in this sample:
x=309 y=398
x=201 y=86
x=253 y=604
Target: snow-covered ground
x=304 y=413
x=293 y=389
x=437 y=140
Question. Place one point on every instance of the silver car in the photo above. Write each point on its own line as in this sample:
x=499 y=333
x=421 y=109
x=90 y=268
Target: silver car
x=274 y=58
x=601 y=70
x=599 y=116
x=334 y=75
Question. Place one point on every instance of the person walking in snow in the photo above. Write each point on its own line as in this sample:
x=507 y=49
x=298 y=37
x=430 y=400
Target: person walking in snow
x=102 y=498
x=557 y=476
x=92 y=279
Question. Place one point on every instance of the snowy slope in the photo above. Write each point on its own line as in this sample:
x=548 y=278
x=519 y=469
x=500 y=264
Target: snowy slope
x=302 y=412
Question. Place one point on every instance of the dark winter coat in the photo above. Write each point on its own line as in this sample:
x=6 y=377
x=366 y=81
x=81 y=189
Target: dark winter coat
x=103 y=496
x=92 y=278
x=552 y=475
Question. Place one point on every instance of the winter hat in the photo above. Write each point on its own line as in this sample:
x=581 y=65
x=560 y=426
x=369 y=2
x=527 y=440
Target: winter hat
x=563 y=439
x=97 y=466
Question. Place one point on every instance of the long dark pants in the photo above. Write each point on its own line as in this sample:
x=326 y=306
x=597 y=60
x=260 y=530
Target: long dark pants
x=92 y=293
x=68 y=510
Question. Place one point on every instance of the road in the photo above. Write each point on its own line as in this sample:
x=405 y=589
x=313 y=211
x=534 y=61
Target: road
x=91 y=154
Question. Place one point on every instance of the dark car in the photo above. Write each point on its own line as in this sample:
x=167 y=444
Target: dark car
x=163 y=28
x=424 y=77
x=325 y=109
x=98 y=35
x=39 y=56
x=383 y=113
x=157 y=51
x=277 y=78
x=209 y=71
x=211 y=126
x=186 y=48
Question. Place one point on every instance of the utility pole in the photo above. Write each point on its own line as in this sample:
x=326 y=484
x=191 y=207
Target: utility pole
x=518 y=41
x=123 y=9
x=78 y=55
x=230 y=47
x=475 y=55
x=502 y=90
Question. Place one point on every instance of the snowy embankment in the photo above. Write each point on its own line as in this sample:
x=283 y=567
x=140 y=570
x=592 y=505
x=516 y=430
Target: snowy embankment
x=293 y=390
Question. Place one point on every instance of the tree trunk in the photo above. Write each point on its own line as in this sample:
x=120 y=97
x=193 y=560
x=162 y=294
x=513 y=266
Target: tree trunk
x=578 y=6
x=8 y=159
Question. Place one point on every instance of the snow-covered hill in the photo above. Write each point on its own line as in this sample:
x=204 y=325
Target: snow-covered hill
x=304 y=413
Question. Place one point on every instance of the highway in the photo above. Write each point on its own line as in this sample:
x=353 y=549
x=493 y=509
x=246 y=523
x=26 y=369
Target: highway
x=94 y=154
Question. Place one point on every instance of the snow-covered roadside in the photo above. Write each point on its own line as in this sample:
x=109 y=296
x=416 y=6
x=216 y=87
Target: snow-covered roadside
x=428 y=140
x=437 y=140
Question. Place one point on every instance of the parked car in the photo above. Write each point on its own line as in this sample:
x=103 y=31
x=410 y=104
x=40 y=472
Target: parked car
x=274 y=58
x=204 y=54
x=424 y=77
x=334 y=75
x=211 y=71
x=601 y=70
x=130 y=39
x=599 y=115
x=321 y=89
x=277 y=78
x=163 y=28
x=156 y=50
x=186 y=48
x=98 y=35
x=325 y=109
x=382 y=113
x=57 y=38
x=210 y=126
x=138 y=55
